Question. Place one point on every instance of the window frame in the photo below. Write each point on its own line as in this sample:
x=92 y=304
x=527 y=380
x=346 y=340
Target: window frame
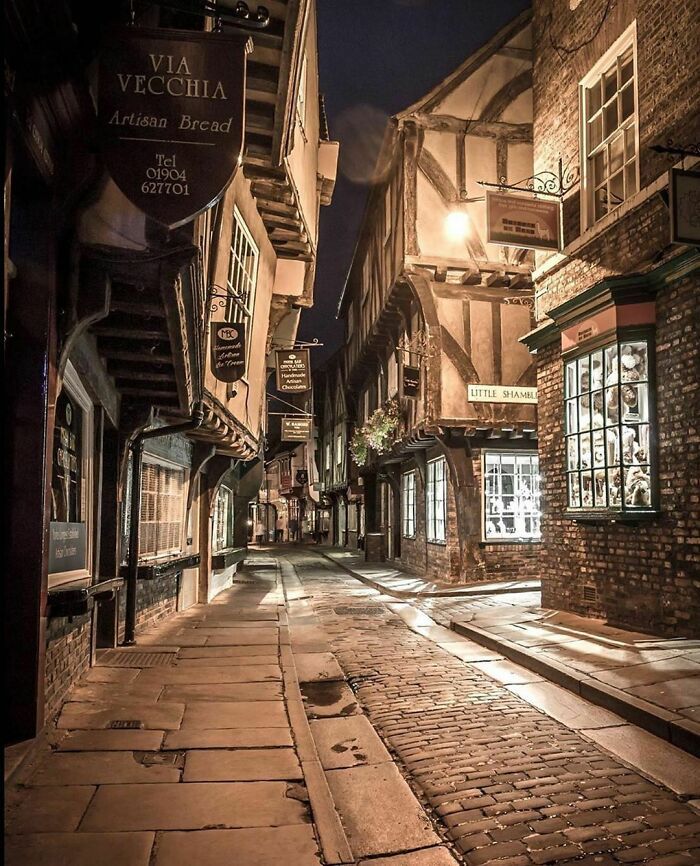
x=228 y=531
x=431 y=502
x=408 y=508
x=163 y=463
x=74 y=387
x=639 y=334
x=626 y=40
x=240 y=234
x=508 y=538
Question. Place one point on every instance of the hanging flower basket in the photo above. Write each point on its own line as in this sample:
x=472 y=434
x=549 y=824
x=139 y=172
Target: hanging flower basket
x=377 y=434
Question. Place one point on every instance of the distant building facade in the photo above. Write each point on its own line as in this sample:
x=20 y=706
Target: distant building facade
x=618 y=316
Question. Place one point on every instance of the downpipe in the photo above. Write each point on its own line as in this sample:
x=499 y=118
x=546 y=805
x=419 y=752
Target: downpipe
x=136 y=448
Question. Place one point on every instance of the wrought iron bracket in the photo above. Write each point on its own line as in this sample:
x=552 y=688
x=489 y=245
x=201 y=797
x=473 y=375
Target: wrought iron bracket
x=682 y=150
x=297 y=344
x=548 y=183
x=418 y=344
x=240 y=16
x=223 y=297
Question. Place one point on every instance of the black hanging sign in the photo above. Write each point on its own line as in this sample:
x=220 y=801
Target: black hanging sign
x=293 y=371
x=67 y=547
x=410 y=381
x=296 y=428
x=171 y=113
x=228 y=348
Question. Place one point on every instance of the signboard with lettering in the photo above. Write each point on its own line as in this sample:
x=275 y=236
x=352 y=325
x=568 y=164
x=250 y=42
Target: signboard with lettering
x=67 y=547
x=410 y=381
x=171 y=114
x=521 y=220
x=295 y=428
x=684 y=205
x=293 y=371
x=501 y=394
x=228 y=349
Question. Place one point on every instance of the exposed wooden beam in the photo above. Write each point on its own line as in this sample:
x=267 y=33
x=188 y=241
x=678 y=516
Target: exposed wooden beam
x=135 y=308
x=124 y=374
x=510 y=91
x=140 y=357
x=128 y=333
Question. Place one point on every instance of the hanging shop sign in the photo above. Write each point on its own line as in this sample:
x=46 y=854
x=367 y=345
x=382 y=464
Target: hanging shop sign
x=296 y=429
x=501 y=394
x=228 y=350
x=293 y=371
x=302 y=477
x=684 y=205
x=526 y=221
x=410 y=381
x=171 y=114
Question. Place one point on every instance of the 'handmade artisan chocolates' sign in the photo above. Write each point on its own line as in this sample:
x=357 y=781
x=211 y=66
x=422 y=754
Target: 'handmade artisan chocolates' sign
x=228 y=344
x=171 y=110
x=293 y=371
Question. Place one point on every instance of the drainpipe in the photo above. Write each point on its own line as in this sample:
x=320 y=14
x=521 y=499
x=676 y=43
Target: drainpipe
x=136 y=466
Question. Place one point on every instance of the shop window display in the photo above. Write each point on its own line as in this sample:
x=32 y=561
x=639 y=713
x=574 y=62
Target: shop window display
x=512 y=496
x=608 y=429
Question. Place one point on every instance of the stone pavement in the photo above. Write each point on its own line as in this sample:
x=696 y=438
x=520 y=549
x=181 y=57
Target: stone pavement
x=649 y=680
x=198 y=746
x=515 y=778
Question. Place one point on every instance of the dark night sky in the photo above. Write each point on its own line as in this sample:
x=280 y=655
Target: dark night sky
x=376 y=58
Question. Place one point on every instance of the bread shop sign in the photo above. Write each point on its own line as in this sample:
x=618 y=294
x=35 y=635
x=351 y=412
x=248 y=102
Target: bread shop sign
x=171 y=115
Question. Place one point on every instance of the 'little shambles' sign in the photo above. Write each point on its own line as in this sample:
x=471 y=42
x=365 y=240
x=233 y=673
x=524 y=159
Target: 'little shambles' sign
x=501 y=394
x=295 y=429
x=518 y=220
x=293 y=371
x=171 y=111
x=228 y=351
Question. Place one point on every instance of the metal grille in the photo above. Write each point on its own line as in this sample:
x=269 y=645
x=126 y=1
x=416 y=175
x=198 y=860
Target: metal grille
x=590 y=593
x=359 y=610
x=118 y=658
x=126 y=724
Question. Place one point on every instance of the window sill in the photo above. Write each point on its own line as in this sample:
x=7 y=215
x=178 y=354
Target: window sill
x=154 y=570
x=77 y=598
x=487 y=542
x=605 y=517
x=438 y=543
x=226 y=558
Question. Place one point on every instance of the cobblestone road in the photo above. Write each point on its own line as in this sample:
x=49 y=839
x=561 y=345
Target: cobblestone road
x=508 y=784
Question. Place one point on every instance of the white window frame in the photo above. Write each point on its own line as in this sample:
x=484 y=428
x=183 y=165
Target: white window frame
x=301 y=96
x=521 y=510
x=224 y=501
x=76 y=390
x=239 y=281
x=408 y=504
x=153 y=460
x=436 y=501
x=626 y=40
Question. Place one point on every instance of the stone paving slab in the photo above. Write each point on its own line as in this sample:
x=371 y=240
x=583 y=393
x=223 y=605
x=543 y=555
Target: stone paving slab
x=347 y=742
x=268 y=846
x=227 y=661
x=98 y=714
x=224 y=692
x=48 y=810
x=378 y=810
x=242 y=765
x=235 y=714
x=469 y=651
x=323 y=699
x=673 y=767
x=103 y=741
x=211 y=652
x=508 y=672
x=193 y=806
x=100 y=768
x=102 y=674
x=185 y=638
x=209 y=675
x=80 y=849
x=228 y=738
x=231 y=622
x=425 y=857
x=314 y=667
x=566 y=707
x=647 y=674
x=135 y=691
x=241 y=637
x=675 y=694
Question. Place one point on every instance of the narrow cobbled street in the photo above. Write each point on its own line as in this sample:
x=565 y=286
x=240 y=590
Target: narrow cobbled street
x=180 y=750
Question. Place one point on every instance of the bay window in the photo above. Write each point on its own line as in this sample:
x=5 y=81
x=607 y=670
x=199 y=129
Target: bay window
x=608 y=423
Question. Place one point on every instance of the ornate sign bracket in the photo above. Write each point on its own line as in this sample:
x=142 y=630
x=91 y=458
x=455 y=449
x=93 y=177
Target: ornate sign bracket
x=223 y=296
x=418 y=344
x=298 y=344
x=548 y=183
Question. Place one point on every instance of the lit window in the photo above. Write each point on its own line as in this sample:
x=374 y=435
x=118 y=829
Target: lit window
x=162 y=510
x=408 y=505
x=301 y=95
x=436 y=500
x=608 y=433
x=222 y=530
x=609 y=113
x=511 y=496
x=242 y=271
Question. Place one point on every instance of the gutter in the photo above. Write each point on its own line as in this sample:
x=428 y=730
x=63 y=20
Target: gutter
x=136 y=447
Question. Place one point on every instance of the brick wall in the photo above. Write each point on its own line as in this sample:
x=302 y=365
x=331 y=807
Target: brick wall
x=155 y=601
x=68 y=646
x=646 y=576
